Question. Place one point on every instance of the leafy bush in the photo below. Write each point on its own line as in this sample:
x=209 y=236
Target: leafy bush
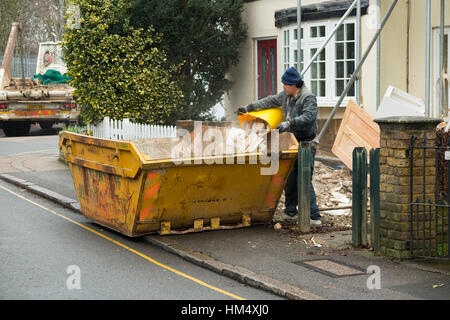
x=117 y=70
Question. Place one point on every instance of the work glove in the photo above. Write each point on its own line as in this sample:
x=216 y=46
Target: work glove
x=246 y=109
x=242 y=110
x=284 y=126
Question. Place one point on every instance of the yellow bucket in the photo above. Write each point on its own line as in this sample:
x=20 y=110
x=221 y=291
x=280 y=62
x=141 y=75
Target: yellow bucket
x=272 y=116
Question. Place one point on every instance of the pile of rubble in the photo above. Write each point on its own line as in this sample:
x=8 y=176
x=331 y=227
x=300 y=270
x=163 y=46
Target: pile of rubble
x=333 y=187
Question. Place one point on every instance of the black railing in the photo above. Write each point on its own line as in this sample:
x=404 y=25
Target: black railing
x=429 y=200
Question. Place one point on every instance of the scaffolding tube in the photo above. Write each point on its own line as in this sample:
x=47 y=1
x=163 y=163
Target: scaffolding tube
x=352 y=79
x=347 y=13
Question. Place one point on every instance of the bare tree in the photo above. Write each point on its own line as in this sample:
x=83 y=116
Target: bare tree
x=42 y=20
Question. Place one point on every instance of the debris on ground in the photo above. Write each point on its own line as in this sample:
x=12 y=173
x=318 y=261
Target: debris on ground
x=333 y=187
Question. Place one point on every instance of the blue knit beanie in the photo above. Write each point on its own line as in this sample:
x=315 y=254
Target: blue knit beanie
x=291 y=77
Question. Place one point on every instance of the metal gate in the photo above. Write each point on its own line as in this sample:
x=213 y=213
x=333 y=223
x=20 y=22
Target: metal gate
x=429 y=197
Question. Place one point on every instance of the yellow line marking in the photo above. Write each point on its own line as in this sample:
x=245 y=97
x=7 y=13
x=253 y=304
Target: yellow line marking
x=127 y=248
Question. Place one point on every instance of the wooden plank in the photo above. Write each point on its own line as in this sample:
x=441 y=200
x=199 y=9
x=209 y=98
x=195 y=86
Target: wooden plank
x=357 y=129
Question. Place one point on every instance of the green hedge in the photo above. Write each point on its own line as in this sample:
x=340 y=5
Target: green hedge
x=117 y=70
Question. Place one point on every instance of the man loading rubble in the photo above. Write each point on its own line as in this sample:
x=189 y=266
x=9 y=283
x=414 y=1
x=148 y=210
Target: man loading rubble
x=300 y=114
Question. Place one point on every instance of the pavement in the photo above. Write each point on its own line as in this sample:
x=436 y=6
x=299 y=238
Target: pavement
x=311 y=266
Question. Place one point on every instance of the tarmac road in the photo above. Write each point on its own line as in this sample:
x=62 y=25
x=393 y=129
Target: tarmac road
x=38 y=245
x=43 y=247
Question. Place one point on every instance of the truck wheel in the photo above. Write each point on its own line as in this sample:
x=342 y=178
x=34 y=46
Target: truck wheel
x=24 y=128
x=9 y=129
x=14 y=129
x=45 y=125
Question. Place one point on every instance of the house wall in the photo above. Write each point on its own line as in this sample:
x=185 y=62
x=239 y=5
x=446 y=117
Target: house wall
x=401 y=65
x=259 y=15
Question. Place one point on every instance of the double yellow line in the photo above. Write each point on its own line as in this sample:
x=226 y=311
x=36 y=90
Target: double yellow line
x=159 y=264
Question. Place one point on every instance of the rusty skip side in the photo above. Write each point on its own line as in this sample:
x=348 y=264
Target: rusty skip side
x=118 y=187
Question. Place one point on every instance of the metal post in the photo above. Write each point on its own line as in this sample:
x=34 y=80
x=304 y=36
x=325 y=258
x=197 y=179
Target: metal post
x=359 y=197
x=427 y=58
x=304 y=186
x=299 y=33
x=443 y=108
x=358 y=51
x=378 y=55
x=448 y=207
x=375 y=199
x=352 y=79
x=347 y=13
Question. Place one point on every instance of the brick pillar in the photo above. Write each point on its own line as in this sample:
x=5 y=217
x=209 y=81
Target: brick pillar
x=396 y=132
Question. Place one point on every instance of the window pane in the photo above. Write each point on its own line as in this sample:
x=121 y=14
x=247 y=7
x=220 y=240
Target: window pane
x=272 y=71
x=350 y=50
x=350 y=68
x=339 y=69
x=322 y=70
x=322 y=88
x=322 y=31
x=446 y=56
x=340 y=33
x=314 y=71
x=286 y=38
x=323 y=54
x=339 y=87
x=339 y=51
x=351 y=92
x=314 y=87
x=313 y=51
x=313 y=32
x=295 y=56
x=295 y=34
x=264 y=71
x=286 y=56
x=350 y=31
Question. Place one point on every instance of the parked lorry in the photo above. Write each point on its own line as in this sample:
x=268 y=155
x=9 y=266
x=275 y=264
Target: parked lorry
x=25 y=101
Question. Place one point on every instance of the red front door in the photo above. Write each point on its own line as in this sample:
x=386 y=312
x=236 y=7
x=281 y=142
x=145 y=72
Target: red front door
x=267 y=68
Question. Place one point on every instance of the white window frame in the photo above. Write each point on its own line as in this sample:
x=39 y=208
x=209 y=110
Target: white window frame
x=436 y=60
x=308 y=43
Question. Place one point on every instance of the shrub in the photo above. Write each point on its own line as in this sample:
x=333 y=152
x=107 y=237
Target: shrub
x=118 y=70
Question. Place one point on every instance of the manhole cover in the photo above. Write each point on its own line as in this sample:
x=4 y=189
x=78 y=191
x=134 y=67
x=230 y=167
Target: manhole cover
x=331 y=268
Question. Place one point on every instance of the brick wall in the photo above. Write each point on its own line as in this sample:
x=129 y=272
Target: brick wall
x=395 y=179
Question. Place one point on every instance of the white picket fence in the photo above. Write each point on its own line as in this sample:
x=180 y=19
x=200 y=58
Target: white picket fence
x=127 y=130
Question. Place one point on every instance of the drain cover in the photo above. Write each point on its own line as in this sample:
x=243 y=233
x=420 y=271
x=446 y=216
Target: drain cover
x=331 y=268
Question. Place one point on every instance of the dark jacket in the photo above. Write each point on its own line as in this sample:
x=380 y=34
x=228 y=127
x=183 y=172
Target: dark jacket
x=300 y=110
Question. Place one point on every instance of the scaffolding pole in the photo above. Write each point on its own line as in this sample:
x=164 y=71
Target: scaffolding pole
x=358 y=52
x=352 y=79
x=427 y=58
x=299 y=33
x=378 y=56
x=443 y=108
